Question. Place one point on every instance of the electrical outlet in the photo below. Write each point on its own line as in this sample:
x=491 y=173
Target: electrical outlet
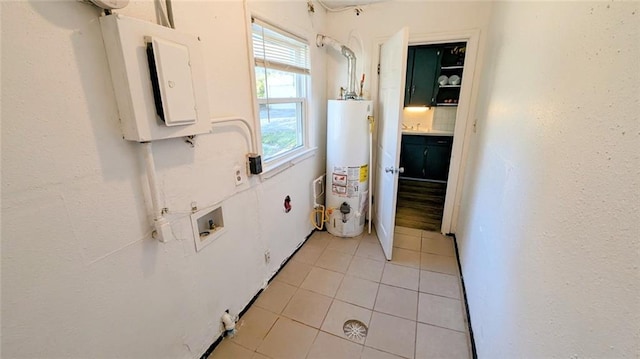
x=267 y=256
x=239 y=175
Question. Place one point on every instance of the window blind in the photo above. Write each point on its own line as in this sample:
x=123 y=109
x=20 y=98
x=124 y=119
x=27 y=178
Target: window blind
x=278 y=50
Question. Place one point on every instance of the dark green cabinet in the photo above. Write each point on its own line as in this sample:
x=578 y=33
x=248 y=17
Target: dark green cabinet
x=412 y=156
x=451 y=66
x=422 y=68
x=426 y=157
x=425 y=64
x=437 y=158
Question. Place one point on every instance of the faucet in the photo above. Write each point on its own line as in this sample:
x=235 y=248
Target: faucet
x=418 y=127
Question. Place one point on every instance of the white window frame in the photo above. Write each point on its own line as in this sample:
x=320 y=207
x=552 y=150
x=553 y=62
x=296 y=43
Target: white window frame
x=303 y=151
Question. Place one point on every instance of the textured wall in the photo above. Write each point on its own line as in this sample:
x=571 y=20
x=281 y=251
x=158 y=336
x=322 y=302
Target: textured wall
x=381 y=20
x=549 y=230
x=81 y=276
x=425 y=19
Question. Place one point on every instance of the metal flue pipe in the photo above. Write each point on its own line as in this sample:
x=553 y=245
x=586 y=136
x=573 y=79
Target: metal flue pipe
x=322 y=40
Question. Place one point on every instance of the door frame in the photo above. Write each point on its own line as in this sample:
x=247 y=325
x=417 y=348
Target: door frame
x=464 y=122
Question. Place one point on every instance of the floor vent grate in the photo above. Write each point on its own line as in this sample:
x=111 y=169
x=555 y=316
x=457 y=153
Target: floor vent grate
x=355 y=329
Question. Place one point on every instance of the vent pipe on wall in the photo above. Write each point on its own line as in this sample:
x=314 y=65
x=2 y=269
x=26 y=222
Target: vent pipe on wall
x=322 y=40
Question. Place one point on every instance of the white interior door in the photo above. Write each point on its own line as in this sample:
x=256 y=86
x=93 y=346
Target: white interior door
x=393 y=68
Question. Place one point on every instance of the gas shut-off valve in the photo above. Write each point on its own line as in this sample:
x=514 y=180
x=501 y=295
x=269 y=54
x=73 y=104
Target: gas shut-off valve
x=345 y=209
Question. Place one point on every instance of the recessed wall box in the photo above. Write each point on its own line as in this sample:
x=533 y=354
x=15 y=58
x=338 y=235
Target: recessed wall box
x=158 y=77
x=208 y=225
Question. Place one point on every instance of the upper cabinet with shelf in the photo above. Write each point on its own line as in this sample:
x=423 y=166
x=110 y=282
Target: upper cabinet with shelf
x=434 y=74
x=450 y=74
x=422 y=67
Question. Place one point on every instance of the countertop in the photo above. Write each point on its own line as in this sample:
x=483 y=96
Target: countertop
x=427 y=133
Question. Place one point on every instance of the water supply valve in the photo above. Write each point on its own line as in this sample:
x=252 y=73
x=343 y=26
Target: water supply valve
x=345 y=209
x=229 y=324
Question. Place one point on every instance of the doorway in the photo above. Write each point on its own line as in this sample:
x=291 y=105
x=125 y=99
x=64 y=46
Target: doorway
x=462 y=128
x=432 y=93
x=420 y=204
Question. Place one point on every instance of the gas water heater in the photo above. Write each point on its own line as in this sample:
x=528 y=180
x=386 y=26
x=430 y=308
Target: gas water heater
x=347 y=166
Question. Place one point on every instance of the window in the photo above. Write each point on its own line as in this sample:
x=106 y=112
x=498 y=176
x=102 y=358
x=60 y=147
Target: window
x=282 y=73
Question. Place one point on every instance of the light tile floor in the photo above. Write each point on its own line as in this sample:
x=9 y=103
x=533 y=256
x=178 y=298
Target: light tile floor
x=412 y=304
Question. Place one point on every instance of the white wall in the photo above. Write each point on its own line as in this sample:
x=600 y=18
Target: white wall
x=425 y=20
x=378 y=21
x=80 y=274
x=549 y=228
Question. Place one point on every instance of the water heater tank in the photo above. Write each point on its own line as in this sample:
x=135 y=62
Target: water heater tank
x=347 y=166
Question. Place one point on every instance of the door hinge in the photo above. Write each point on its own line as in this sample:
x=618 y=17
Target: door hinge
x=378 y=69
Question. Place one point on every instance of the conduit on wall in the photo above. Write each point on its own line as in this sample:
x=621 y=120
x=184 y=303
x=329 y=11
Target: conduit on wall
x=252 y=143
x=162 y=228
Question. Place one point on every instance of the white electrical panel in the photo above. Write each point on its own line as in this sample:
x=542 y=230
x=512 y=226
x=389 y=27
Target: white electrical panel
x=110 y=4
x=158 y=77
x=175 y=82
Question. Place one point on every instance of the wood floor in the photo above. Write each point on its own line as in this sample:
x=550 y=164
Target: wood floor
x=420 y=204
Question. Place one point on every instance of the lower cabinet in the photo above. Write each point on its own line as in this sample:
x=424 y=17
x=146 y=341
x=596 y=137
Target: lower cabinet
x=426 y=157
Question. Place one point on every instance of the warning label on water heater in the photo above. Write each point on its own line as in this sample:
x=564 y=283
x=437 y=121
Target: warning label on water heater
x=364 y=173
x=348 y=181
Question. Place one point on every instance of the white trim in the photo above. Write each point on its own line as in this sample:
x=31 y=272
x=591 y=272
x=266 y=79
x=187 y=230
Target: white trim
x=281 y=67
x=293 y=156
x=464 y=122
x=302 y=133
x=276 y=59
x=277 y=100
x=252 y=78
x=297 y=33
x=278 y=165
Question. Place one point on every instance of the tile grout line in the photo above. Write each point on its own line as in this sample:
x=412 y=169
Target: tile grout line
x=441 y=296
x=217 y=342
x=431 y=324
x=441 y=327
x=265 y=335
x=395 y=286
x=333 y=299
x=415 y=340
x=350 y=341
x=386 y=352
x=373 y=309
x=314 y=340
x=288 y=259
x=358 y=305
x=281 y=314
